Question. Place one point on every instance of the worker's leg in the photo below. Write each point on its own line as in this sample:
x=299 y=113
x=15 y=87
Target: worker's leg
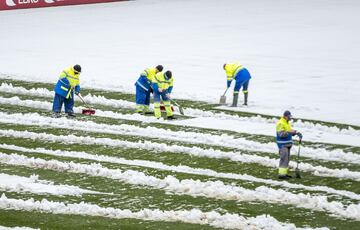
x=245 y=91
x=284 y=161
x=69 y=105
x=147 y=103
x=140 y=99
x=57 y=103
x=157 y=111
x=167 y=104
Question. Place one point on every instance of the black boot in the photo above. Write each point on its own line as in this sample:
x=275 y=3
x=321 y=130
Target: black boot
x=235 y=99
x=71 y=115
x=246 y=98
x=56 y=114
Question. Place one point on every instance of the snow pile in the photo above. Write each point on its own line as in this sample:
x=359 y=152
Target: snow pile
x=194 y=216
x=181 y=169
x=13 y=183
x=196 y=151
x=209 y=189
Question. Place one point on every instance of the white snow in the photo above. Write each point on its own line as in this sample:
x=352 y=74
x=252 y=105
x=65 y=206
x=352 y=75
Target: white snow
x=209 y=189
x=181 y=168
x=32 y=184
x=17 y=228
x=194 y=216
x=190 y=137
x=206 y=119
x=303 y=55
x=175 y=149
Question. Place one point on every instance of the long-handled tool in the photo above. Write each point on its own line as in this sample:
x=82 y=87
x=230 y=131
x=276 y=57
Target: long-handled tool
x=223 y=97
x=88 y=111
x=297 y=170
x=181 y=110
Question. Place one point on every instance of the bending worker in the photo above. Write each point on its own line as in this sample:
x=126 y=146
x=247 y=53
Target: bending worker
x=67 y=84
x=143 y=89
x=163 y=85
x=284 y=134
x=242 y=77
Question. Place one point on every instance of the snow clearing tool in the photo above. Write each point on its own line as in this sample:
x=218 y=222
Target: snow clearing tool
x=88 y=110
x=223 y=97
x=181 y=110
x=297 y=170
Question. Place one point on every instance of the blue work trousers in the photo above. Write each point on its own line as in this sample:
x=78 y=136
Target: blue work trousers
x=60 y=100
x=142 y=96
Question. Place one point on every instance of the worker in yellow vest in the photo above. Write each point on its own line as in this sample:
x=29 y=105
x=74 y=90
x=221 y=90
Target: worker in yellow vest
x=67 y=85
x=284 y=134
x=144 y=89
x=162 y=85
x=237 y=72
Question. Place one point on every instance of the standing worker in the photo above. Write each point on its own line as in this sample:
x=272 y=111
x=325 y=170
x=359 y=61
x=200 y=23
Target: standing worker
x=163 y=85
x=143 y=89
x=67 y=84
x=284 y=134
x=242 y=77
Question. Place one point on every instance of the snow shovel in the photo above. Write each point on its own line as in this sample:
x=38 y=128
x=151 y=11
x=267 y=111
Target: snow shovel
x=297 y=170
x=181 y=110
x=88 y=111
x=223 y=97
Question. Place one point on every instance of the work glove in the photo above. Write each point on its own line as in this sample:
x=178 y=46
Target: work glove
x=160 y=90
x=77 y=92
x=299 y=135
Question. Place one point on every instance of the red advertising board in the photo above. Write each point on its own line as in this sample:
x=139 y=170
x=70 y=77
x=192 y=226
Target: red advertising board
x=24 y=4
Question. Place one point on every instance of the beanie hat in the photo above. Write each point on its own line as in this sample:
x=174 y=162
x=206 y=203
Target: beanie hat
x=168 y=74
x=160 y=68
x=287 y=114
x=77 y=68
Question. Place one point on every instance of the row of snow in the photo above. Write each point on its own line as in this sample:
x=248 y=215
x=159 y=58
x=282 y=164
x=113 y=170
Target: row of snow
x=223 y=140
x=194 y=216
x=179 y=169
x=255 y=124
x=178 y=149
x=208 y=189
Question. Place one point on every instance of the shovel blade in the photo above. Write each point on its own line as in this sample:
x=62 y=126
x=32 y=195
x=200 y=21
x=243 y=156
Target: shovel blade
x=88 y=112
x=222 y=100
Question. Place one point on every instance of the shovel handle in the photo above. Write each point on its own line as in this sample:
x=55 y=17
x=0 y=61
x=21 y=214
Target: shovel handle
x=226 y=91
x=82 y=99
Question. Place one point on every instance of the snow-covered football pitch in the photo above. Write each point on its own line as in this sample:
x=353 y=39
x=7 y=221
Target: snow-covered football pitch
x=118 y=169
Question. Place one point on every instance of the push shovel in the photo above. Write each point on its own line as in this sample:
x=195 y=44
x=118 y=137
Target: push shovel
x=88 y=111
x=223 y=98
